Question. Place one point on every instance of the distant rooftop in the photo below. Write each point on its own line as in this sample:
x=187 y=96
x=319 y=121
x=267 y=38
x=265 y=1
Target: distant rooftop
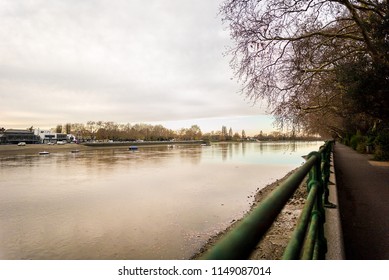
x=18 y=131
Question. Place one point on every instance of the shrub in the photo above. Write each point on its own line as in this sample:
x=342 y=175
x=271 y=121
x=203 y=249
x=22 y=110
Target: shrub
x=382 y=145
x=357 y=141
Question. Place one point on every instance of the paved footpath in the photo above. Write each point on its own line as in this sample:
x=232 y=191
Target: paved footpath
x=363 y=194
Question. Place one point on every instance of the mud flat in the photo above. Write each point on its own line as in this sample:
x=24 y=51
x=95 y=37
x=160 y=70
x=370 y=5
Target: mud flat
x=31 y=149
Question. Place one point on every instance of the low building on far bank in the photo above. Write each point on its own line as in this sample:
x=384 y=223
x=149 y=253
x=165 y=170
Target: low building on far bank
x=14 y=136
x=37 y=136
x=46 y=136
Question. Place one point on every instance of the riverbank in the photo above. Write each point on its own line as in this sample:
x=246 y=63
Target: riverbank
x=143 y=143
x=34 y=149
x=272 y=246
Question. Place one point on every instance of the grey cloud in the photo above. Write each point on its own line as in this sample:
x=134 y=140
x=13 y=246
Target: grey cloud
x=124 y=60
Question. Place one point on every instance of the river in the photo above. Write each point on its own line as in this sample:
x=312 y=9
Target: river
x=153 y=203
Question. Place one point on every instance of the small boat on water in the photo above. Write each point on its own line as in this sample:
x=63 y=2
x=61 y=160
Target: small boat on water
x=44 y=153
x=133 y=148
x=74 y=151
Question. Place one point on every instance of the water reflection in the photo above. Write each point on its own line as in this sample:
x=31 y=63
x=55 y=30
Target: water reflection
x=155 y=203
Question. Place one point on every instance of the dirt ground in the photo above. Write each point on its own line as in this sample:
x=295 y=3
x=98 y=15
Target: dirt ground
x=272 y=246
x=34 y=149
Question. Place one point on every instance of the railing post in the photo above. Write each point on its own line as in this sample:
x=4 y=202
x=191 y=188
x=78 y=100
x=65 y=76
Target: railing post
x=316 y=245
x=325 y=165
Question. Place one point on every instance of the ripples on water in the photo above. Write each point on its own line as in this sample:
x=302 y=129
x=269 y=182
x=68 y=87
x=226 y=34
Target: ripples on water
x=155 y=203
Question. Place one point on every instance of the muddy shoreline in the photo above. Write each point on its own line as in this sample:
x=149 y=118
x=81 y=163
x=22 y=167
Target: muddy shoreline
x=34 y=149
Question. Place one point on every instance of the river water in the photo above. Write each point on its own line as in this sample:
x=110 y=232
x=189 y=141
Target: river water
x=154 y=203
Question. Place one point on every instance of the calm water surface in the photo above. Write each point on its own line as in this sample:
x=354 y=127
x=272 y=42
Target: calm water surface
x=155 y=203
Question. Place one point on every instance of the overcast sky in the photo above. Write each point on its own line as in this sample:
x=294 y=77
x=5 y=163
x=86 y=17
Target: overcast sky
x=127 y=61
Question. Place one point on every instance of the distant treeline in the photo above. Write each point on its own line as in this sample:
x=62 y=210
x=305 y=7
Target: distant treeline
x=104 y=131
x=126 y=132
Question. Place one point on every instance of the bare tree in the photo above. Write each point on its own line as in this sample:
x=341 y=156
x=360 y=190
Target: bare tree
x=68 y=128
x=289 y=52
x=58 y=128
x=230 y=133
x=244 y=134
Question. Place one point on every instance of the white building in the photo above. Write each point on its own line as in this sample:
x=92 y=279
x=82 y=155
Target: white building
x=47 y=136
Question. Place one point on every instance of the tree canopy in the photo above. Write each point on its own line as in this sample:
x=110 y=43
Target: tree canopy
x=320 y=64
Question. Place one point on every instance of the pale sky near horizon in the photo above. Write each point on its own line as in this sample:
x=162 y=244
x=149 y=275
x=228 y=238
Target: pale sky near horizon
x=156 y=61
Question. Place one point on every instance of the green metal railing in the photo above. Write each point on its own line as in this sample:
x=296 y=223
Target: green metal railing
x=307 y=241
